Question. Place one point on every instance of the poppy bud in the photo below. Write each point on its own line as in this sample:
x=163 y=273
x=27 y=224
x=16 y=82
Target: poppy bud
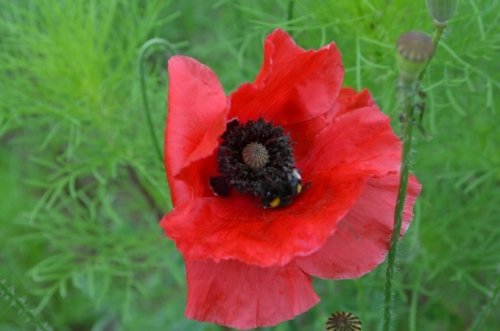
x=441 y=10
x=414 y=50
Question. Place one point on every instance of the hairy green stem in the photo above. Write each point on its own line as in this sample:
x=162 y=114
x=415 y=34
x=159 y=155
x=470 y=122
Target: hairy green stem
x=142 y=78
x=438 y=33
x=408 y=95
x=400 y=203
x=436 y=38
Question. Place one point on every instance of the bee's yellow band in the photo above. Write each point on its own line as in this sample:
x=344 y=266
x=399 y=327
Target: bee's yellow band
x=299 y=188
x=275 y=202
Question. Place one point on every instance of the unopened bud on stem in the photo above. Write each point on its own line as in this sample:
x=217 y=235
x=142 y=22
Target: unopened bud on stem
x=414 y=50
x=441 y=10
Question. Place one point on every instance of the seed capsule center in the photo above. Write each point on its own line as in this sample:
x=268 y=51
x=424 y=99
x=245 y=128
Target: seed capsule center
x=255 y=155
x=256 y=158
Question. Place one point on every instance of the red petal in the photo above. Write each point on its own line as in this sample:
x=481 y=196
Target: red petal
x=294 y=85
x=193 y=180
x=245 y=297
x=238 y=228
x=196 y=117
x=304 y=133
x=350 y=100
x=362 y=238
x=359 y=141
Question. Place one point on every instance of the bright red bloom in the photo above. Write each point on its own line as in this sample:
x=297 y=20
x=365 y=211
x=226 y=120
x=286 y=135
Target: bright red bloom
x=248 y=266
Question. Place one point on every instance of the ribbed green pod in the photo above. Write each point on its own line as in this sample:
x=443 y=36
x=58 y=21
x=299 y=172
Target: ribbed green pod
x=414 y=49
x=441 y=10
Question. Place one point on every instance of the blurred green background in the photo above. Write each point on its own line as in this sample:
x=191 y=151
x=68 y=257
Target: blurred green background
x=82 y=190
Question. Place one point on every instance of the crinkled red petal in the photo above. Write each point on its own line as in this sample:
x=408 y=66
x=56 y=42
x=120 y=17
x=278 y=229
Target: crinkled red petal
x=304 y=133
x=238 y=227
x=293 y=85
x=359 y=141
x=192 y=181
x=357 y=144
x=349 y=100
x=362 y=238
x=197 y=110
x=245 y=297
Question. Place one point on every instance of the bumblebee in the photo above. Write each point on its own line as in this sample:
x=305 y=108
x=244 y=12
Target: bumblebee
x=282 y=194
x=272 y=194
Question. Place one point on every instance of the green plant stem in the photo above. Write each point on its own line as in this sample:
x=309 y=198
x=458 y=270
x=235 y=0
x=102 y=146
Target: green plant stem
x=408 y=94
x=142 y=78
x=436 y=38
x=398 y=215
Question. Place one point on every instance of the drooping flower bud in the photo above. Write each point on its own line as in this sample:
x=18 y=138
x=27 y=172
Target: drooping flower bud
x=441 y=10
x=414 y=49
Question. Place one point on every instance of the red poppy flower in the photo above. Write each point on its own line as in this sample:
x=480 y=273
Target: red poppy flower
x=249 y=266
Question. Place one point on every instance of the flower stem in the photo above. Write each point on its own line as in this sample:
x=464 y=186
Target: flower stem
x=408 y=94
x=398 y=215
x=142 y=78
x=436 y=38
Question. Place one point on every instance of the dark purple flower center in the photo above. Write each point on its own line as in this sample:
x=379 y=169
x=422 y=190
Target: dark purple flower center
x=257 y=158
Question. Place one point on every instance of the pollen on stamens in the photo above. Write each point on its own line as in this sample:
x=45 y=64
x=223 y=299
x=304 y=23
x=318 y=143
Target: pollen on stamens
x=255 y=155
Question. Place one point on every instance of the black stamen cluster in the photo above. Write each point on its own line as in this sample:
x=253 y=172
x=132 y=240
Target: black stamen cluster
x=240 y=175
